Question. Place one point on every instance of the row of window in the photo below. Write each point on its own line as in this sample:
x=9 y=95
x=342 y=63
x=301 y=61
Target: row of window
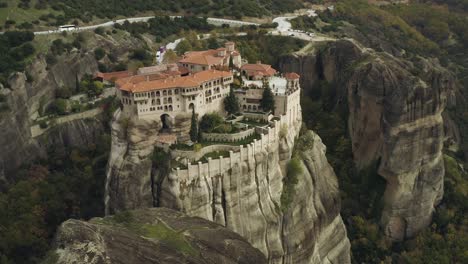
x=159 y=108
x=157 y=93
x=176 y=91
x=166 y=100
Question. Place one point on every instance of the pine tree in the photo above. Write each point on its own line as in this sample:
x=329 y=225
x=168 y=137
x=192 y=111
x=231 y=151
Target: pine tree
x=194 y=127
x=231 y=104
x=268 y=100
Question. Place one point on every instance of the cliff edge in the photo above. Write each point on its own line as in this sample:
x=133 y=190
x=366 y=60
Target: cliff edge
x=156 y=235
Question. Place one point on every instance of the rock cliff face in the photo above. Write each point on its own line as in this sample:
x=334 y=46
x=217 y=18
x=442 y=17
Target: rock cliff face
x=245 y=198
x=156 y=235
x=129 y=174
x=395 y=118
x=25 y=97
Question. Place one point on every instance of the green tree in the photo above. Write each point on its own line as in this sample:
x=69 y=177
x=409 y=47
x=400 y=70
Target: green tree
x=268 y=101
x=231 y=62
x=194 y=127
x=210 y=121
x=99 y=53
x=183 y=47
x=63 y=92
x=169 y=56
x=231 y=104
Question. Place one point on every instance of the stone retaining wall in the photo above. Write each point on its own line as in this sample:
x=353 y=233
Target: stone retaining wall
x=218 y=137
x=193 y=156
x=36 y=130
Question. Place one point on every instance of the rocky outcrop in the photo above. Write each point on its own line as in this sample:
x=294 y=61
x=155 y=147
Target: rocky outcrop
x=155 y=235
x=312 y=228
x=27 y=93
x=245 y=198
x=130 y=165
x=395 y=109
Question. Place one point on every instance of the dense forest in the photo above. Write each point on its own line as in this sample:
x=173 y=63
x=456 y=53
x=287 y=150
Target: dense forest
x=15 y=50
x=69 y=184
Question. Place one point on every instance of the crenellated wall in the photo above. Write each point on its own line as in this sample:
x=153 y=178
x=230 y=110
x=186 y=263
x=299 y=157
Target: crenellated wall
x=244 y=153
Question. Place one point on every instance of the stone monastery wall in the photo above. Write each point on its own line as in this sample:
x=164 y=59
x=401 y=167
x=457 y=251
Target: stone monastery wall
x=215 y=167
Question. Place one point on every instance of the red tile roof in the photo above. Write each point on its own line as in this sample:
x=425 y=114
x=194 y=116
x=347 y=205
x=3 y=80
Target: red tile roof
x=206 y=57
x=292 y=75
x=194 y=80
x=258 y=69
x=113 y=76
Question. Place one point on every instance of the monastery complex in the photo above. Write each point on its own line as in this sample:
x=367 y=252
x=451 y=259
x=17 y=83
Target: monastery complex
x=200 y=82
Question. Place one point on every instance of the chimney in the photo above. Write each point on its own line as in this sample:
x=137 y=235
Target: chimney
x=259 y=62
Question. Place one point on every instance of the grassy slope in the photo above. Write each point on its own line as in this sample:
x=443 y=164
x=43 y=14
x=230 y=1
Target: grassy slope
x=13 y=12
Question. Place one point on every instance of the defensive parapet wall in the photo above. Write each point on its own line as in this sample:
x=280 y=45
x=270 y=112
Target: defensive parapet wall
x=239 y=154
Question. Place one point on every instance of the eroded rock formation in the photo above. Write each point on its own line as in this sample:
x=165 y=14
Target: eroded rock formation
x=245 y=197
x=395 y=117
x=155 y=235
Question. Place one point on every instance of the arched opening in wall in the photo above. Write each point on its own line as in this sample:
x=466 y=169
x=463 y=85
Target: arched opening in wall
x=167 y=123
x=191 y=106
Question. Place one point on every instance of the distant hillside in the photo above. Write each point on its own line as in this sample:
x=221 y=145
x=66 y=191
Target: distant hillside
x=29 y=14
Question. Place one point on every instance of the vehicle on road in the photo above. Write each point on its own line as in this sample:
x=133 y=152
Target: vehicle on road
x=66 y=27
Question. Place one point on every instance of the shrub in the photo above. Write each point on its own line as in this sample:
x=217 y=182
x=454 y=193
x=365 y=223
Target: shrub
x=43 y=124
x=210 y=121
x=197 y=147
x=124 y=217
x=294 y=168
x=63 y=92
x=51 y=59
x=99 y=53
x=99 y=31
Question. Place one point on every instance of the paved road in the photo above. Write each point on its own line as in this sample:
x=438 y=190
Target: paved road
x=210 y=20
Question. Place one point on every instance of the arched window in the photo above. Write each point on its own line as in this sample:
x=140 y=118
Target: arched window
x=158 y=93
x=164 y=93
x=169 y=100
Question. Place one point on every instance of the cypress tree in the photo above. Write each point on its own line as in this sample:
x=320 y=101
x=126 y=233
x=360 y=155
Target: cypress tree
x=231 y=104
x=194 y=127
x=268 y=100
